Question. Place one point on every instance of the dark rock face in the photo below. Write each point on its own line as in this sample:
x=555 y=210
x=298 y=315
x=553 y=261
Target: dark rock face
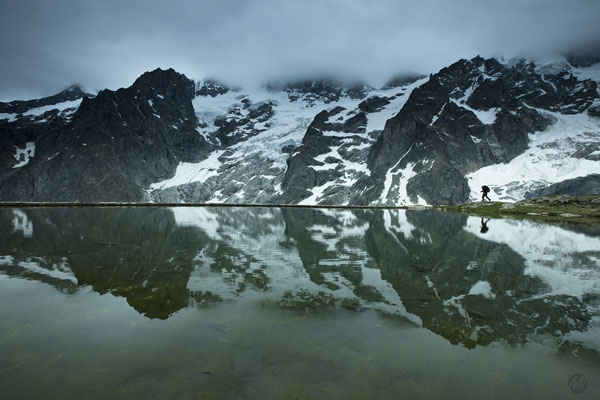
x=594 y=111
x=300 y=176
x=311 y=91
x=440 y=183
x=373 y=104
x=114 y=145
x=243 y=120
x=472 y=114
x=323 y=90
x=330 y=140
x=585 y=186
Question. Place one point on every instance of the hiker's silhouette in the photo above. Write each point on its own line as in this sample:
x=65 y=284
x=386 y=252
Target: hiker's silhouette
x=485 y=190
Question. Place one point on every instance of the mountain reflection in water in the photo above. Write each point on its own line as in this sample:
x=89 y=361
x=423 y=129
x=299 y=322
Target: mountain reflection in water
x=510 y=282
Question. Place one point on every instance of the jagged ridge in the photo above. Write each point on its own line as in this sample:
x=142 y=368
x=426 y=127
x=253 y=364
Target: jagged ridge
x=429 y=141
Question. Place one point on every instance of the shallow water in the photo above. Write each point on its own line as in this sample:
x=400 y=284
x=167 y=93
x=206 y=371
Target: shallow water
x=295 y=303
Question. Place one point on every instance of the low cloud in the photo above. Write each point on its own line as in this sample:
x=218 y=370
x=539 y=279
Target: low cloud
x=47 y=46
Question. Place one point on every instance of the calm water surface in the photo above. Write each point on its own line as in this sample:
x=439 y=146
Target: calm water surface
x=224 y=303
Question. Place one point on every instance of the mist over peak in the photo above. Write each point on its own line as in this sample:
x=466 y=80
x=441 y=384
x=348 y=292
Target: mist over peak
x=50 y=45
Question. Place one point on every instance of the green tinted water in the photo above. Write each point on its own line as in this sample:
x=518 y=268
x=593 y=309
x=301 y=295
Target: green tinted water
x=294 y=303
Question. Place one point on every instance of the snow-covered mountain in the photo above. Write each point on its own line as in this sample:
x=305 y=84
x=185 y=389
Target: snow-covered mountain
x=514 y=126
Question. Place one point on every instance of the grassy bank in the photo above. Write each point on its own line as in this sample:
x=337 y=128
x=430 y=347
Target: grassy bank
x=552 y=208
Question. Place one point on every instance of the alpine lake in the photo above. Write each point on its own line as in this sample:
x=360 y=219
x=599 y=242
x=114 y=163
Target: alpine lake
x=295 y=303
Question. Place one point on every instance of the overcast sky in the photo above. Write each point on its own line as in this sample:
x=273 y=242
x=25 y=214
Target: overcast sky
x=47 y=45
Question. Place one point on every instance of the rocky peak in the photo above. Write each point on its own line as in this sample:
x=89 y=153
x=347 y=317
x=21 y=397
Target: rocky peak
x=164 y=84
x=470 y=114
x=71 y=93
x=321 y=90
x=156 y=107
x=325 y=91
x=115 y=144
x=211 y=88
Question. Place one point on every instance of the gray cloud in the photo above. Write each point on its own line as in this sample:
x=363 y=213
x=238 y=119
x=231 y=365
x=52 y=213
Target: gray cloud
x=48 y=45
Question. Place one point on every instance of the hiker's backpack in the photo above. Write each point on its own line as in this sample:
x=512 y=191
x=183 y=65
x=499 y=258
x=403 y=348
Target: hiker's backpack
x=485 y=189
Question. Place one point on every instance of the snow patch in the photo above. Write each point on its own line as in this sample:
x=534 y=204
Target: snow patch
x=35 y=112
x=317 y=192
x=487 y=117
x=592 y=72
x=24 y=155
x=437 y=116
x=192 y=172
x=22 y=223
x=200 y=217
x=334 y=153
x=376 y=121
x=482 y=288
x=389 y=176
x=7 y=260
x=60 y=270
x=395 y=221
x=400 y=197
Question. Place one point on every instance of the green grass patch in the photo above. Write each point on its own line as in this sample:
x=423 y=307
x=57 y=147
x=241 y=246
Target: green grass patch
x=551 y=208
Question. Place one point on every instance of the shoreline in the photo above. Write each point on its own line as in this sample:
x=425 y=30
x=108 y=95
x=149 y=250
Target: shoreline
x=21 y=204
x=560 y=208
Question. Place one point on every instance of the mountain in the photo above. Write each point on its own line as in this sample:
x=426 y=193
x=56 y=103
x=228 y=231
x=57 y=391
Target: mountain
x=514 y=126
x=106 y=148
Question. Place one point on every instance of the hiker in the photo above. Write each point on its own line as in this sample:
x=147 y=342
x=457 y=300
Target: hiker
x=485 y=190
x=484 y=227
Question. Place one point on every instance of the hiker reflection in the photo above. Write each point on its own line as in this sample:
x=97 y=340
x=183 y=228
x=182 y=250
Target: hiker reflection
x=484 y=227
